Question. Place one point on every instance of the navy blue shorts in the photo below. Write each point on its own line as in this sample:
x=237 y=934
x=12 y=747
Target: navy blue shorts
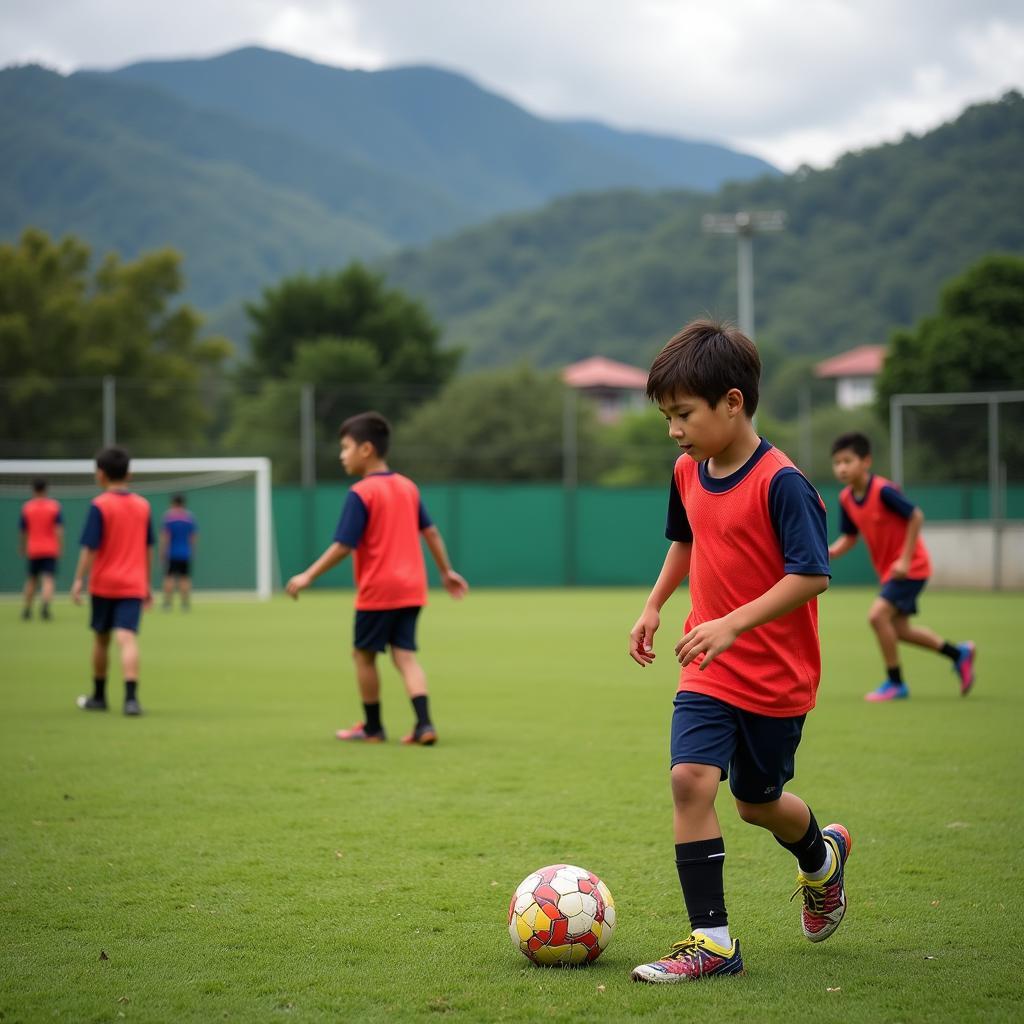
x=115 y=613
x=178 y=567
x=42 y=565
x=756 y=753
x=394 y=626
x=903 y=594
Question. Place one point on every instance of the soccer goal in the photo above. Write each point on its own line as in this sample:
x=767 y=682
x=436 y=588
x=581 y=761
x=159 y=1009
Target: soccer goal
x=229 y=497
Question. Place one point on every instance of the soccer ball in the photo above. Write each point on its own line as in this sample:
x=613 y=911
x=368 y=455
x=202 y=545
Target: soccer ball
x=561 y=915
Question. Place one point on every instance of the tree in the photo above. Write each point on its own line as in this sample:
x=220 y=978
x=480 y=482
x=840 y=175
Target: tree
x=358 y=343
x=503 y=425
x=974 y=343
x=63 y=328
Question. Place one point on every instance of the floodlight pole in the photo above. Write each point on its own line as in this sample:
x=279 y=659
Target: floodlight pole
x=744 y=226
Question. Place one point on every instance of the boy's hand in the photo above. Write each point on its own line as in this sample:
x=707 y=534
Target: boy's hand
x=641 y=637
x=297 y=583
x=147 y=601
x=709 y=638
x=76 y=592
x=455 y=584
x=900 y=569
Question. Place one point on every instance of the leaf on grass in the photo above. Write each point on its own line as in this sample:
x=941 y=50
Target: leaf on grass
x=124 y=999
x=600 y=988
x=338 y=854
x=493 y=884
x=935 y=903
x=958 y=824
x=838 y=988
x=103 y=955
x=931 y=958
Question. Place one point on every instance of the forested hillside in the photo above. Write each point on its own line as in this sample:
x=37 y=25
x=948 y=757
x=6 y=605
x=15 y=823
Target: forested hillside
x=867 y=245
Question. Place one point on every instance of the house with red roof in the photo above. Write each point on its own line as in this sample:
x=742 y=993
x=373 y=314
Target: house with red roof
x=854 y=373
x=615 y=387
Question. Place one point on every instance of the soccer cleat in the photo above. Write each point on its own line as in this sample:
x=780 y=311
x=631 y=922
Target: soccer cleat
x=46 y=612
x=132 y=707
x=26 y=614
x=825 y=901
x=359 y=734
x=692 y=959
x=424 y=735
x=964 y=666
x=889 y=691
x=91 y=703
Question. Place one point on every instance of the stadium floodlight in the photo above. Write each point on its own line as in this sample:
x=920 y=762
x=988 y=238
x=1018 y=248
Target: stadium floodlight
x=744 y=225
x=232 y=497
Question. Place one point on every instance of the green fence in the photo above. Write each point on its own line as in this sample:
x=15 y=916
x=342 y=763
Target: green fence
x=513 y=535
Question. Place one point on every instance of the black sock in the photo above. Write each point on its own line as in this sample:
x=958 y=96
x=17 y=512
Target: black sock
x=372 y=721
x=700 y=866
x=951 y=652
x=419 y=705
x=810 y=851
x=130 y=687
x=895 y=675
x=99 y=687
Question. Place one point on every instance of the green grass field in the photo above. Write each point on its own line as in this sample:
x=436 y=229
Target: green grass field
x=224 y=858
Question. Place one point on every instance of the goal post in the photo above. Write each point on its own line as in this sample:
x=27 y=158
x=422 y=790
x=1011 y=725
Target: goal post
x=153 y=477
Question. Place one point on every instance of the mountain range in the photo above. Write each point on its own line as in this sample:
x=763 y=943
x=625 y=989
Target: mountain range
x=257 y=164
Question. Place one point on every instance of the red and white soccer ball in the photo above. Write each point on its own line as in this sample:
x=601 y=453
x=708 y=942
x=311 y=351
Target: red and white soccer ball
x=561 y=915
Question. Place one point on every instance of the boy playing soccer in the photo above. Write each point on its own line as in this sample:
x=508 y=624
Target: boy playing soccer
x=177 y=546
x=42 y=537
x=381 y=522
x=874 y=508
x=116 y=544
x=749 y=531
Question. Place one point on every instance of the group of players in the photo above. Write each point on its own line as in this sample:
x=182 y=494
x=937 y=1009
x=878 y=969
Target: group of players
x=744 y=526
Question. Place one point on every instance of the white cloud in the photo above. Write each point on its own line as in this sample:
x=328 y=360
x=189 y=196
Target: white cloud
x=794 y=81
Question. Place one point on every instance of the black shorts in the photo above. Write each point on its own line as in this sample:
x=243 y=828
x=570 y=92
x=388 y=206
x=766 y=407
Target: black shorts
x=115 y=613
x=178 y=567
x=755 y=752
x=42 y=566
x=394 y=626
x=903 y=594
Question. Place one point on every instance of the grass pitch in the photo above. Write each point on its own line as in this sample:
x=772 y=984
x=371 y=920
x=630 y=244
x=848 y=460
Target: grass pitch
x=224 y=858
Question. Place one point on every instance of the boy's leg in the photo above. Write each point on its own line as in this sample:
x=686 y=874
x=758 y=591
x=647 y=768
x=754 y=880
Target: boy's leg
x=962 y=655
x=47 y=593
x=185 y=590
x=415 y=680
x=29 y=594
x=368 y=681
x=168 y=591
x=764 y=762
x=128 y=643
x=100 y=659
x=703 y=737
x=882 y=618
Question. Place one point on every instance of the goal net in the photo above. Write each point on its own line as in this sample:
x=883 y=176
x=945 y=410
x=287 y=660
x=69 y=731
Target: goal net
x=229 y=498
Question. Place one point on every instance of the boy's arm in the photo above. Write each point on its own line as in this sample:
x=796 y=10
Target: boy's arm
x=713 y=637
x=453 y=582
x=841 y=545
x=328 y=560
x=162 y=552
x=901 y=567
x=674 y=570
x=85 y=559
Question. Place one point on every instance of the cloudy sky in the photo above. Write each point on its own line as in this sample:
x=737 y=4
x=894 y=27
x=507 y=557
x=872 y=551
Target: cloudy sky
x=796 y=81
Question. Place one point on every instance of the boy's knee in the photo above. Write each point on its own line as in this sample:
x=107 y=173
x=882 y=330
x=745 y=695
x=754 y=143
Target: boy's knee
x=693 y=782
x=879 y=616
x=362 y=657
x=755 y=814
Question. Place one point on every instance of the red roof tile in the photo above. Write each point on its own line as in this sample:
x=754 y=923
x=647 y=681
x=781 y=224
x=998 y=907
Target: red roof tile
x=863 y=361
x=599 y=372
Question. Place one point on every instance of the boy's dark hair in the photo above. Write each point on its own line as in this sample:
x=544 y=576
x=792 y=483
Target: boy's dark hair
x=39 y=484
x=178 y=499
x=855 y=441
x=707 y=358
x=368 y=426
x=114 y=462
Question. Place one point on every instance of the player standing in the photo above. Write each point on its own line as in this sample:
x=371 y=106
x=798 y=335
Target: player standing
x=381 y=522
x=42 y=537
x=117 y=540
x=178 y=533
x=749 y=531
x=875 y=509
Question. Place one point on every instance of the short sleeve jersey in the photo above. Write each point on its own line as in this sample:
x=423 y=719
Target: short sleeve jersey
x=381 y=520
x=748 y=530
x=40 y=518
x=179 y=524
x=880 y=517
x=119 y=529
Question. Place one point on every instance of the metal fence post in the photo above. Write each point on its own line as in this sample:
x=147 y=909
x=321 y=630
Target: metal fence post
x=307 y=462
x=994 y=496
x=109 y=411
